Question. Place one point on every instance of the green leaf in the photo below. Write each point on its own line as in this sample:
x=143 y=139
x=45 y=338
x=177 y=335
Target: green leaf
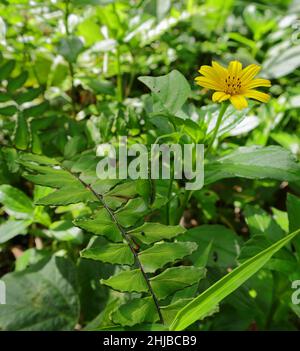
x=16 y=202
x=41 y=159
x=293 y=209
x=17 y=82
x=43 y=299
x=253 y=246
x=162 y=253
x=169 y=312
x=260 y=223
x=283 y=62
x=150 y=232
x=224 y=244
x=8 y=110
x=31 y=257
x=132 y=212
x=10 y=229
x=67 y=195
x=21 y=133
x=101 y=224
x=74 y=146
x=127 y=189
x=50 y=177
x=135 y=312
x=127 y=281
x=172 y=90
x=28 y=95
x=70 y=48
x=254 y=162
x=64 y=231
x=158 y=8
x=36 y=110
x=6 y=69
x=206 y=301
x=174 y=279
x=111 y=253
x=99 y=86
x=4 y=97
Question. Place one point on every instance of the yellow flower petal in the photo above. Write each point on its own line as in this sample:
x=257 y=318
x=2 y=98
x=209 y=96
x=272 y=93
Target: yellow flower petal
x=210 y=73
x=207 y=83
x=259 y=82
x=222 y=71
x=239 y=102
x=234 y=68
x=249 y=73
x=220 y=96
x=257 y=95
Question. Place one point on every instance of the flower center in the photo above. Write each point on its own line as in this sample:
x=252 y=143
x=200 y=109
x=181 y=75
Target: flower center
x=232 y=85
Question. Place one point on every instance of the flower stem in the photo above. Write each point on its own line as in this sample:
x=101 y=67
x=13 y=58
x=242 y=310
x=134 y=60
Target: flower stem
x=219 y=120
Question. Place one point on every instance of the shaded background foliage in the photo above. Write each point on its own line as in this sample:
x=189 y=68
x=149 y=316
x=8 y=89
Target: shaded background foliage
x=69 y=81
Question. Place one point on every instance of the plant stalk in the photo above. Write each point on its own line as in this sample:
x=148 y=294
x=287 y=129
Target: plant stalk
x=219 y=120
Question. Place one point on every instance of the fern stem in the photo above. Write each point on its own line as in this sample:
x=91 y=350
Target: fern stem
x=127 y=239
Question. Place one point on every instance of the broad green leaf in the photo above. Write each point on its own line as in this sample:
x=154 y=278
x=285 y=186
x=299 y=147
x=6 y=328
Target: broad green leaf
x=175 y=278
x=74 y=146
x=127 y=189
x=21 y=133
x=206 y=301
x=6 y=69
x=102 y=186
x=50 y=177
x=253 y=246
x=260 y=223
x=150 y=232
x=36 y=110
x=132 y=212
x=224 y=244
x=101 y=224
x=8 y=110
x=31 y=257
x=93 y=297
x=67 y=195
x=282 y=62
x=135 y=312
x=44 y=299
x=41 y=159
x=127 y=281
x=70 y=48
x=254 y=162
x=4 y=97
x=99 y=86
x=287 y=140
x=16 y=202
x=64 y=231
x=28 y=95
x=17 y=82
x=162 y=253
x=281 y=218
x=10 y=229
x=172 y=90
x=110 y=253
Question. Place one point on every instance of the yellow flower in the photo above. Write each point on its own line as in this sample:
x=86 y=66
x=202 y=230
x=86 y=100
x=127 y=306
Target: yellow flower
x=233 y=83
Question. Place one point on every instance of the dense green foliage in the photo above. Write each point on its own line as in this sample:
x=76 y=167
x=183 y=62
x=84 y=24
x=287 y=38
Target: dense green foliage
x=79 y=252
